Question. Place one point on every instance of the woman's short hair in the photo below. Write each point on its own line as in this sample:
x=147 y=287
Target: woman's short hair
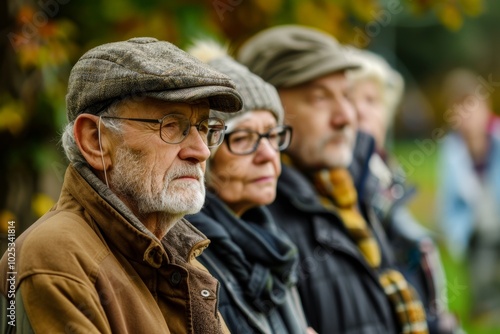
x=375 y=67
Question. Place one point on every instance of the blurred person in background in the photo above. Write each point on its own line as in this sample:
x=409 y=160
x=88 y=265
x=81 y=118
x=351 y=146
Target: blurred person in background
x=376 y=91
x=115 y=254
x=469 y=187
x=348 y=281
x=253 y=260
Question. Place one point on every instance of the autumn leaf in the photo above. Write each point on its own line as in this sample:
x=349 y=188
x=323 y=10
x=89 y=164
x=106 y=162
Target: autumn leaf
x=5 y=217
x=269 y=6
x=41 y=204
x=472 y=7
x=12 y=116
x=365 y=10
x=450 y=16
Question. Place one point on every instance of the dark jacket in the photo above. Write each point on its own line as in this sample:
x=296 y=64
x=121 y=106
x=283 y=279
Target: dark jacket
x=340 y=292
x=386 y=192
x=256 y=267
x=90 y=266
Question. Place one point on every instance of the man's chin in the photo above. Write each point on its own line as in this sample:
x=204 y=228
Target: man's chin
x=194 y=209
x=187 y=200
x=338 y=157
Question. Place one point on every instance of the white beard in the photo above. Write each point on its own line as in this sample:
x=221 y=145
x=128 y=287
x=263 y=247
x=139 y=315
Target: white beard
x=130 y=179
x=339 y=156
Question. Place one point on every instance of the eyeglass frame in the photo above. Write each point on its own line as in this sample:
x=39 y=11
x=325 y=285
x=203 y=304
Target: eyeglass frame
x=160 y=121
x=266 y=135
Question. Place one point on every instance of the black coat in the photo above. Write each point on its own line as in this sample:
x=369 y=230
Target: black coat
x=256 y=265
x=340 y=292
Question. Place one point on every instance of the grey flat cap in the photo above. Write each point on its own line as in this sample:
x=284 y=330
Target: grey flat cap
x=145 y=67
x=290 y=55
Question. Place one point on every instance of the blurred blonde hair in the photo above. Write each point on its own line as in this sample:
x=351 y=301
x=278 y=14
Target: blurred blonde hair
x=374 y=67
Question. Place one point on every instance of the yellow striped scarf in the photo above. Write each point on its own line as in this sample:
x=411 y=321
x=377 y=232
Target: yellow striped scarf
x=337 y=192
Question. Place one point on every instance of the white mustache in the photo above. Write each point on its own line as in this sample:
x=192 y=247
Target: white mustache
x=344 y=133
x=185 y=170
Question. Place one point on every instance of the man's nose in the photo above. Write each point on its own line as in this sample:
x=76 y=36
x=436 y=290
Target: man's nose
x=195 y=147
x=343 y=114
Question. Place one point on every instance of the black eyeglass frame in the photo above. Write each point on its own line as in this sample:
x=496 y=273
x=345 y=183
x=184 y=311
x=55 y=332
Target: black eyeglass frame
x=160 y=121
x=285 y=128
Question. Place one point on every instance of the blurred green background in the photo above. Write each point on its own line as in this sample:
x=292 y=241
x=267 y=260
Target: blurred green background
x=41 y=40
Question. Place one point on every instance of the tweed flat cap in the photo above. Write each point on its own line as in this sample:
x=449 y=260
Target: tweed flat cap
x=256 y=94
x=145 y=67
x=290 y=55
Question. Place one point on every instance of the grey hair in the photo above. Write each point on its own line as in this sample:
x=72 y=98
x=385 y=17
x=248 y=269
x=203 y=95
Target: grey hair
x=68 y=142
x=391 y=83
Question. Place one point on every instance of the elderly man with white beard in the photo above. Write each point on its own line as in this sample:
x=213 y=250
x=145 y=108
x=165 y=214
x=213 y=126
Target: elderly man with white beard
x=115 y=254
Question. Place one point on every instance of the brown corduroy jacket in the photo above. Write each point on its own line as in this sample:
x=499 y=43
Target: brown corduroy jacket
x=85 y=267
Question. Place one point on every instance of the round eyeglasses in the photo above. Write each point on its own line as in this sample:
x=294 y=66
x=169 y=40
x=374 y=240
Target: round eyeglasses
x=242 y=142
x=174 y=128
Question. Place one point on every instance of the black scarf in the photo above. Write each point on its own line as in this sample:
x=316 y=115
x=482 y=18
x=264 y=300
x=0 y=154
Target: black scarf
x=263 y=260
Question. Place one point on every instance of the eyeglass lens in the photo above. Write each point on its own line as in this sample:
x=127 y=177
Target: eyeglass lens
x=174 y=128
x=246 y=141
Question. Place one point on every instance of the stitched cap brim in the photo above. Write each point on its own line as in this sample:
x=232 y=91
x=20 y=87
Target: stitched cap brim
x=219 y=98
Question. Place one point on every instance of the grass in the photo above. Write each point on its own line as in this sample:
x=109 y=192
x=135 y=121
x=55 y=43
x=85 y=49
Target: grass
x=420 y=163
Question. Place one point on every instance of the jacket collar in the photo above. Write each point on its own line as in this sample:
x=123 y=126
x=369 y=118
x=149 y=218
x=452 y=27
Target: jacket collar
x=293 y=183
x=121 y=229
x=359 y=167
x=294 y=186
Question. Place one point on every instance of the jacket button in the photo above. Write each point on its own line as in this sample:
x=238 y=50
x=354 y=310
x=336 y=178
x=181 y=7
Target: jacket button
x=205 y=293
x=175 y=278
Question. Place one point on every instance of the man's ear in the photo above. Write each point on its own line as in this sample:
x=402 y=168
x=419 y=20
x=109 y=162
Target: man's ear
x=93 y=141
